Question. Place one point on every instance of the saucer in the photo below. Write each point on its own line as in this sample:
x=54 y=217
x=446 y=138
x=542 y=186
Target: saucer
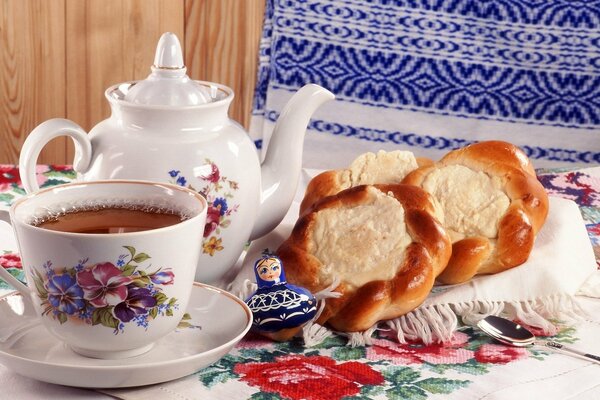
x=218 y=321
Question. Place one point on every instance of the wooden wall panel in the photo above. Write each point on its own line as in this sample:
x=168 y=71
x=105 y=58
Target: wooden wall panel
x=109 y=42
x=221 y=44
x=32 y=79
x=57 y=57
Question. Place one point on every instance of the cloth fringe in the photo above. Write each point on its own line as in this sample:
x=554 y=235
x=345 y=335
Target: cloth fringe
x=359 y=339
x=313 y=333
x=542 y=313
x=437 y=323
x=429 y=324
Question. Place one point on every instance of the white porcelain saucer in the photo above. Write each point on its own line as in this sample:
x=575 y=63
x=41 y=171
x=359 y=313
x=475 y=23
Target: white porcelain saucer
x=220 y=318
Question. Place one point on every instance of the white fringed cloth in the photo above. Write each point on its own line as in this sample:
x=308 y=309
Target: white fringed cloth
x=538 y=293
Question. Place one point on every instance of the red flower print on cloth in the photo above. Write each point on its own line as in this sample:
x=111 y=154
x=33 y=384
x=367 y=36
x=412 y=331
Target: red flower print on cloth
x=40 y=173
x=103 y=285
x=499 y=354
x=448 y=353
x=9 y=174
x=551 y=330
x=309 y=378
x=10 y=260
x=61 y=168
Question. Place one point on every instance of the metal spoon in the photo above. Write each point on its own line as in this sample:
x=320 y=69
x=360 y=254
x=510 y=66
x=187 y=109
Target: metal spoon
x=513 y=334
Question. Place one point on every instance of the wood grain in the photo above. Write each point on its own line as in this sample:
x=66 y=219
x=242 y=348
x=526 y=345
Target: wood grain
x=221 y=45
x=58 y=57
x=109 y=42
x=32 y=80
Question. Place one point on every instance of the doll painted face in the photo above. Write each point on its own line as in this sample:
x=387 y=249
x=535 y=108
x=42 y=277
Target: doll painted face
x=269 y=269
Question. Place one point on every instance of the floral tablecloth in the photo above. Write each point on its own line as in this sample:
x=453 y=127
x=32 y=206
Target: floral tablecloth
x=469 y=366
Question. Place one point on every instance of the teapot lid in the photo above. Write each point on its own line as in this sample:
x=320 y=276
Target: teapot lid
x=168 y=84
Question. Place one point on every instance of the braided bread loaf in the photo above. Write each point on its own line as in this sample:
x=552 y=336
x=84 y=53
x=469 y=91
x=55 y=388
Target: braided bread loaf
x=383 y=242
x=493 y=207
x=368 y=168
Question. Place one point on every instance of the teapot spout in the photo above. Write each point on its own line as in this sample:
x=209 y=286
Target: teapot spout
x=280 y=170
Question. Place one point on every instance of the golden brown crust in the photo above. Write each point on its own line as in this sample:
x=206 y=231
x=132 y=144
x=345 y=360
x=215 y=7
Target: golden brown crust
x=467 y=256
x=322 y=185
x=331 y=182
x=492 y=153
x=359 y=308
x=517 y=228
x=424 y=161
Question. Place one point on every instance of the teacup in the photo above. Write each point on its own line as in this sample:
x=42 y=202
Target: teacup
x=109 y=264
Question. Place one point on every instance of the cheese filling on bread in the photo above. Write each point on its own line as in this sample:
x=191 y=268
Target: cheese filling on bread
x=473 y=202
x=360 y=244
x=383 y=167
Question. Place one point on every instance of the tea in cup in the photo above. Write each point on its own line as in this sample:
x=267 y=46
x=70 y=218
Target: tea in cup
x=109 y=265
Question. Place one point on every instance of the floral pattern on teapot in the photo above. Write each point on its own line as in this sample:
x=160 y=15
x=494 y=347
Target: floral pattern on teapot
x=105 y=293
x=218 y=191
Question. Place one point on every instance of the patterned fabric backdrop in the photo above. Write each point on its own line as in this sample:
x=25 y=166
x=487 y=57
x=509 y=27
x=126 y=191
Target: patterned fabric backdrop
x=433 y=75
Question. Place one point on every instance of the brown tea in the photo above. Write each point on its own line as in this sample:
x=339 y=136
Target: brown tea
x=109 y=220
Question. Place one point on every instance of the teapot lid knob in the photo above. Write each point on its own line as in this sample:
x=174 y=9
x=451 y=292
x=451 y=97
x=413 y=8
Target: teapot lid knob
x=168 y=84
x=168 y=52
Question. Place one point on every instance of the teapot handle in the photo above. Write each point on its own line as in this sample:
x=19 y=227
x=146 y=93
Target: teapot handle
x=41 y=135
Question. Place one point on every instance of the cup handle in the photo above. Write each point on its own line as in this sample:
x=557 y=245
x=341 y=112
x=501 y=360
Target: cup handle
x=11 y=280
x=41 y=135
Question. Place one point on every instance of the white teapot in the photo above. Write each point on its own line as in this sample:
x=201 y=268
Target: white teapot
x=170 y=128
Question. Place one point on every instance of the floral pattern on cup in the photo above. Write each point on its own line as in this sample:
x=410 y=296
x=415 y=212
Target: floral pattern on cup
x=106 y=293
x=218 y=191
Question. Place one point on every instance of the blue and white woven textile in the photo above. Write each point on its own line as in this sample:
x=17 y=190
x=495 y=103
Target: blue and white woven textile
x=433 y=75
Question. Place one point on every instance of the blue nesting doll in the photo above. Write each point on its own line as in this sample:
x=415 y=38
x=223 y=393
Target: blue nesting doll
x=279 y=309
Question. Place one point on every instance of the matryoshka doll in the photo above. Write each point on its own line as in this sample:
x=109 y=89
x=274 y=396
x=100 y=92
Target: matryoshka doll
x=279 y=309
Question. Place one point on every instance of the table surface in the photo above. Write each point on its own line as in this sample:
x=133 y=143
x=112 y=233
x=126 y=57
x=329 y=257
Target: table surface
x=471 y=366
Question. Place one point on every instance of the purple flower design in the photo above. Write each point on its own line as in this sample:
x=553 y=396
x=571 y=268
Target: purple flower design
x=103 y=284
x=162 y=278
x=105 y=294
x=48 y=268
x=173 y=173
x=139 y=302
x=64 y=294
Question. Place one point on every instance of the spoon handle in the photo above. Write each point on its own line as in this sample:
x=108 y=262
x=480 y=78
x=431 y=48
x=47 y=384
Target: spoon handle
x=568 y=350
